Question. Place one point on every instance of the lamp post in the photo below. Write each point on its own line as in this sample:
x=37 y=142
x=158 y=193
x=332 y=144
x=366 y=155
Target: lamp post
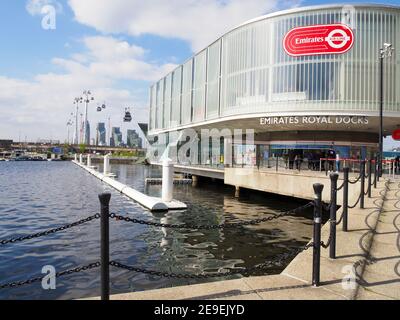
x=385 y=52
x=69 y=124
x=87 y=98
x=76 y=130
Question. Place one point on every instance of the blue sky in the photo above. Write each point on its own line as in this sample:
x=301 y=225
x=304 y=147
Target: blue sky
x=116 y=48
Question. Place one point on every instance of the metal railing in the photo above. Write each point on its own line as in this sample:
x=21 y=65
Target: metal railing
x=105 y=216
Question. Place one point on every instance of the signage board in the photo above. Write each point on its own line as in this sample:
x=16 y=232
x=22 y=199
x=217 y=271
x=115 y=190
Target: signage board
x=318 y=39
x=315 y=120
x=396 y=135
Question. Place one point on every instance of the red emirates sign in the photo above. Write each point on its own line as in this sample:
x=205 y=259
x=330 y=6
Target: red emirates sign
x=396 y=135
x=318 y=39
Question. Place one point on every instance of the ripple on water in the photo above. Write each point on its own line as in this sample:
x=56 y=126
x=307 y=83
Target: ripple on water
x=49 y=195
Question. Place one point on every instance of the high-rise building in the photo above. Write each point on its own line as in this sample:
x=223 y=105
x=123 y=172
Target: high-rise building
x=133 y=140
x=116 y=137
x=101 y=134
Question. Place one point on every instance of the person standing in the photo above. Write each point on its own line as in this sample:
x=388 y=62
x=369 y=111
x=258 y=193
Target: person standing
x=331 y=158
x=337 y=162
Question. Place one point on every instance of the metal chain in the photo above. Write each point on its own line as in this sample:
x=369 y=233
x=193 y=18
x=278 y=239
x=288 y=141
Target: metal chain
x=51 y=231
x=340 y=220
x=352 y=207
x=341 y=187
x=355 y=181
x=245 y=271
x=58 y=274
x=328 y=243
x=210 y=227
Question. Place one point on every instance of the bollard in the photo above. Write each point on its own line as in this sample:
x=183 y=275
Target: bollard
x=80 y=159
x=375 y=174
x=168 y=180
x=89 y=160
x=362 y=173
x=378 y=168
x=345 y=197
x=105 y=245
x=76 y=157
x=317 y=233
x=333 y=209
x=369 y=178
x=106 y=169
x=277 y=164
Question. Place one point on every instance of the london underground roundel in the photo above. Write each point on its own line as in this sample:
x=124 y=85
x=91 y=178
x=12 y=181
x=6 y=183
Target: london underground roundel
x=396 y=135
x=318 y=39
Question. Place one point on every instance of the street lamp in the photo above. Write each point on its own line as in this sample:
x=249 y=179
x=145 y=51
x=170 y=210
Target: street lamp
x=385 y=52
x=76 y=132
x=87 y=98
x=69 y=124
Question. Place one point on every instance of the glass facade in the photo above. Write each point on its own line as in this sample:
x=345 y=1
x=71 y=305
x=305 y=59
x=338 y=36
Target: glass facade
x=247 y=71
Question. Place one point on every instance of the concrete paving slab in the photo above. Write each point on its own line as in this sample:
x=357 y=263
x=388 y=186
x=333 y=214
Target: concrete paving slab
x=281 y=287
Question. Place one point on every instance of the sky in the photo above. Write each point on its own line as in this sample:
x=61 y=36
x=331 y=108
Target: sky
x=115 y=48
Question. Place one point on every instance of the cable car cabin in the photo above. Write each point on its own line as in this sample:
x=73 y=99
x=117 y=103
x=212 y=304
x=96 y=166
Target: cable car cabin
x=128 y=116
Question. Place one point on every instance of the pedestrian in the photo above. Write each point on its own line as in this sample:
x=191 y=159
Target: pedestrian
x=331 y=158
x=337 y=162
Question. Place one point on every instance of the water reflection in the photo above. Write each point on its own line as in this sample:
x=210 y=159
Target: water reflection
x=37 y=196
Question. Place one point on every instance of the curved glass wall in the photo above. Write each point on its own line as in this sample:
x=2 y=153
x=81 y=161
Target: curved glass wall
x=247 y=70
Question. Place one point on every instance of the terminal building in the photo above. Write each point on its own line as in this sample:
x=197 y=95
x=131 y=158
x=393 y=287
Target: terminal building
x=306 y=80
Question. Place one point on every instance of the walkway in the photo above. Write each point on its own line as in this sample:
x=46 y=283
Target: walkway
x=371 y=248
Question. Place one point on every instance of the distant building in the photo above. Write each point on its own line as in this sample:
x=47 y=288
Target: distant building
x=87 y=135
x=133 y=140
x=101 y=134
x=5 y=144
x=116 y=137
x=46 y=141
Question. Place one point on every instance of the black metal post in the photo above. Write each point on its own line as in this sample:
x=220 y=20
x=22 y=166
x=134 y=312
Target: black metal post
x=333 y=209
x=380 y=116
x=277 y=163
x=345 y=198
x=362 y=173
x=317 y=233
x=105 y=245
x=375 y=172
x=370 y=178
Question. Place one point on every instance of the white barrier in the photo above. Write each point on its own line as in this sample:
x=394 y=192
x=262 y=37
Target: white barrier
x=151 y=203
x=106 y=169
x=167 y=180
x=89 y=160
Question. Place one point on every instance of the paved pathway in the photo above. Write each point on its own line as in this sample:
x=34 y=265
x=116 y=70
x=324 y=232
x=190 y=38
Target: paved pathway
x=381 y=276
x=370 y=251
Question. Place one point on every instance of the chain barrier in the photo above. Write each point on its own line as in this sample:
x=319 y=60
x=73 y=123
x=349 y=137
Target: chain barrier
x=58 y=274
x=358 y=201
x=341 y=219
x=355 y=181
x=51 y=231
x=209 y=227
x=341 y=187
x=327 y=244
x=244 y=272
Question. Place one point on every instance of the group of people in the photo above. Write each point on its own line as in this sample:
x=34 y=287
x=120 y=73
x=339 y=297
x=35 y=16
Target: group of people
x=316 y=159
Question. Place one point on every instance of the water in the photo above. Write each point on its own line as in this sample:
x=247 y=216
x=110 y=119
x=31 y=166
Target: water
x=43 y=195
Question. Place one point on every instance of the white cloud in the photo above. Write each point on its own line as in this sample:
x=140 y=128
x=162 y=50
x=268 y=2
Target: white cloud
x=35 y=7
x=199 y=22
x=41 y=107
